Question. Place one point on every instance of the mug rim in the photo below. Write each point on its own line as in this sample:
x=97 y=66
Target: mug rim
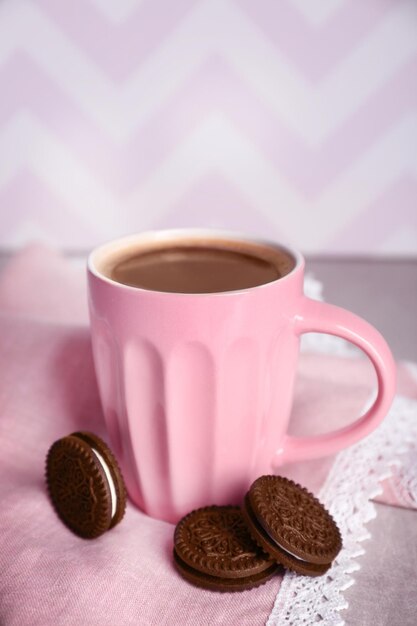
x=176 y=233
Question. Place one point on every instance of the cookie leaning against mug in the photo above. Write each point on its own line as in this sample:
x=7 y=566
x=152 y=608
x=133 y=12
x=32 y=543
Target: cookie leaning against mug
x=291 y=525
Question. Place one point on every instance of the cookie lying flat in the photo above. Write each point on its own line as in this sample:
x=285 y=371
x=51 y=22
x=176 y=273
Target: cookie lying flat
x=291 y=525
x=85 y=484
x=213 y=549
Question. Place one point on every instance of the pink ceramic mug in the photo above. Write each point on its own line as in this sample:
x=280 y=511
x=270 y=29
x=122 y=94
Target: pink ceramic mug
x=197 y=389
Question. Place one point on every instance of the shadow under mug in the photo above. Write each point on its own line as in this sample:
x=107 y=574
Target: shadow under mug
x=197 y=389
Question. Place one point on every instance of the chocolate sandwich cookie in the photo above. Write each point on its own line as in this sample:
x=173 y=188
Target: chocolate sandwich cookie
x=85 y=484
x=214 y=550
x=291 y=525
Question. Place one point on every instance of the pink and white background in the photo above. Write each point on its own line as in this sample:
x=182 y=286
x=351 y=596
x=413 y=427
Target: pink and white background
x=291 y=118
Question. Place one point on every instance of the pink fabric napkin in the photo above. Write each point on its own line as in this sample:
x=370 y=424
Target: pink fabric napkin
x=48 y=576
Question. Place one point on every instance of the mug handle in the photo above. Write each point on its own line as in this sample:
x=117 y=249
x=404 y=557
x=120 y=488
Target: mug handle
x=321 y=317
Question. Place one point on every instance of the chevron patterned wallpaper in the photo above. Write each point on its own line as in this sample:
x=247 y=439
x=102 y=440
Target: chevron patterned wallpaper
x=295 y=119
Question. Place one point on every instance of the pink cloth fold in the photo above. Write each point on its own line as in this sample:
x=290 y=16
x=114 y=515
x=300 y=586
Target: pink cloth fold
x=48 y=576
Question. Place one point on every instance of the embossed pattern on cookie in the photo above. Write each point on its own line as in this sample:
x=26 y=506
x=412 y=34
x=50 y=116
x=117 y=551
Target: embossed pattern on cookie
x=291 y=525
x=214 y=549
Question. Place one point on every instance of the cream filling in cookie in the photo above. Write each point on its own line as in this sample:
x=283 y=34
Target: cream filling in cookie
x=291 y=553
x=280 y=546
x=110 y=480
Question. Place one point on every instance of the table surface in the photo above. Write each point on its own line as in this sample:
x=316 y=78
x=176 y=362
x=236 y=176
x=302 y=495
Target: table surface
x=385 y=293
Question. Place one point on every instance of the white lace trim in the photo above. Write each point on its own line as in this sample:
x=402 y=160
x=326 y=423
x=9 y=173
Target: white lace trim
x=352 y=482
x=404 y=481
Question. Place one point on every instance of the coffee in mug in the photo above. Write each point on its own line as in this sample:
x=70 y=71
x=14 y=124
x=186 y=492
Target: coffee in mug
x=199 y=266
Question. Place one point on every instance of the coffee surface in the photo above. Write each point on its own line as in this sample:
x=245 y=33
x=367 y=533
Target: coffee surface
x=198 y=269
